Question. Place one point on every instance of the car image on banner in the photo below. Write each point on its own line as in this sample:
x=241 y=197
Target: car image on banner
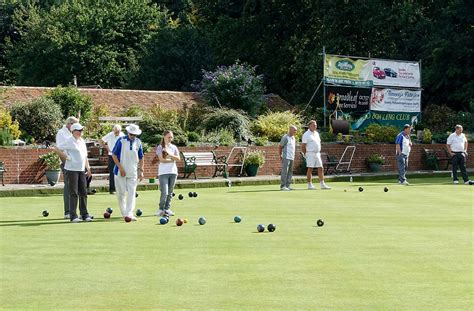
x=379 y=74
x=389 y=72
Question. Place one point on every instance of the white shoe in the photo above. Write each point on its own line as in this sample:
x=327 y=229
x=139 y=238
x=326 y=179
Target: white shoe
x=66 y=216
x=169 y=212
x=406 y=183
x=76 y=220
x=88 y=219
x=456 y=182
x=311 y=186
x=160 y=213
x=324 y=186
x=468 y=182
x=284 y=189
x=133 y=218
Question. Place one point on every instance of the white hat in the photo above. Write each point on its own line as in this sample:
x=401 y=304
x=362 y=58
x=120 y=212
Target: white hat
x=76 y=127
x=133 y=129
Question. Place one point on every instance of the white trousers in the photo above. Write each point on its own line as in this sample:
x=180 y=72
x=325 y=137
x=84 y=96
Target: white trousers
x=126 y=188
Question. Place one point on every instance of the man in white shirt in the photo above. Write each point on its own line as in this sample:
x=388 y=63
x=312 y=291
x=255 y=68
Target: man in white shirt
x=64 y=134
x=108 y=142
x=286 y=150
x=402 y=150
x=457 y=147
x=311 y=147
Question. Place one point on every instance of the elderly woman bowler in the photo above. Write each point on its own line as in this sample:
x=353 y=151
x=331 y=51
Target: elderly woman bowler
x=128 y=157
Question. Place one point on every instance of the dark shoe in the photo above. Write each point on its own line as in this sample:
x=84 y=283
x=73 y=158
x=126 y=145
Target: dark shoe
x=112 y=192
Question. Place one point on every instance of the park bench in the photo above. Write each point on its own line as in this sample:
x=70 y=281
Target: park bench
x=192 y=160
x=433 y=157
x=2 y=171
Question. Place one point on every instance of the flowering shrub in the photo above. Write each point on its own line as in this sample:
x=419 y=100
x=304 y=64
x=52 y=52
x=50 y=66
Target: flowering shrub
x=237 y=86
x=274 y=125
x=376 y=158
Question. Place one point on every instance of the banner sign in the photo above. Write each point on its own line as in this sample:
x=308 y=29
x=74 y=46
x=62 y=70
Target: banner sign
x=395 y=100
x=350 y=99
x=342 y=70
x=397 y=119
x=393 y=73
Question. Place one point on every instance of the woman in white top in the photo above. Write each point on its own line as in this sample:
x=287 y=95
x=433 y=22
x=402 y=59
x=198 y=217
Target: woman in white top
x=74 y=151
x=167 y=154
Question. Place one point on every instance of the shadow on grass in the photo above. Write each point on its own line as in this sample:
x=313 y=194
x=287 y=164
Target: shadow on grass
x=43 y=222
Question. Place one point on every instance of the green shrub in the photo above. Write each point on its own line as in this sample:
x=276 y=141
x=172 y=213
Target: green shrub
x=376 y=158
x=94 y=128
x=256 y=157
x=234 y=121
x=382 y=133
x=6 y=122
x=439 y=118
x=261 y=141
x=40 y=118
x=192 y=118
x=72 y=102
x=193 y=137
x=51 y=160
x=275 y=124
x=156 y=121
x=221 y=137
x=237 y=86
x=6 y=137
x=427 y=136
x=440 y=137
x=327 y=137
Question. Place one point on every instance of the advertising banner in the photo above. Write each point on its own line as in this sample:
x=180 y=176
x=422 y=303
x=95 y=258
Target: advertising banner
x=350 y=99
x=342 y=70
x=394 y=73
x=395 y=100
x=397 y=119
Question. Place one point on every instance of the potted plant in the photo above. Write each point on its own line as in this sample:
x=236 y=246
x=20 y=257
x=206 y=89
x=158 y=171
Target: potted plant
x=253 y=160
x=53 y=167
x=375 y=162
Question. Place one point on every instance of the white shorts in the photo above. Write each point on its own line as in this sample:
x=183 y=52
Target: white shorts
x=313 y=159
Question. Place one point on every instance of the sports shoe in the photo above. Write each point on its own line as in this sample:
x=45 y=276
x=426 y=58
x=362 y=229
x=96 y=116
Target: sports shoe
x=406 y=183
x=324 y=186
x=169 y=212
x=88 y=219
x=133 y=218
x=456 y=182
x=284 y=189
x=160 y=213
x=469 y=182
x=311 y=186
x=66 y=216
x=76 y=220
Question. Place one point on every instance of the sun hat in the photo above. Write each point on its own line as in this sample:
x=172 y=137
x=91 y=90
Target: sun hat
x=133 y=129
x=76 y=127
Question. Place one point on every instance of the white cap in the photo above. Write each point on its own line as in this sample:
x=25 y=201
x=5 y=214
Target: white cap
x=76 y=127
x=133 y=129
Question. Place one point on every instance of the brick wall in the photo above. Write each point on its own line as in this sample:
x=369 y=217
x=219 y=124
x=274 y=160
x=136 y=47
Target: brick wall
x=23 y=166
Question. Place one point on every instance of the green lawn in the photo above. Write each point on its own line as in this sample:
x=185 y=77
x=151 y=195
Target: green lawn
x=410 y=248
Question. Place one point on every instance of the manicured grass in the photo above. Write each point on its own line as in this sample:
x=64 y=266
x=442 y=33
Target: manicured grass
x=409 y=248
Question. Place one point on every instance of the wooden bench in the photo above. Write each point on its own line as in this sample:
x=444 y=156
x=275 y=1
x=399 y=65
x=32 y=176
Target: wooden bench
x=192 y=160
x=329 y=162
x=433 y=157
x=2 y=171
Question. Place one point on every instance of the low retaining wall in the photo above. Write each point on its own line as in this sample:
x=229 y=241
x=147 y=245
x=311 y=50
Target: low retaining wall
x=23 y=166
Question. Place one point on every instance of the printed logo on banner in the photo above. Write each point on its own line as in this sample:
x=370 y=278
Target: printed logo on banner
x=345 y=65
x=349 y=99
x=395 y=100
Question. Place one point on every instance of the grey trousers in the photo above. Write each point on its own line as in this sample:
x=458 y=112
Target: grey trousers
x=459 y=160
x=65 y=191
x=286 y=172
x=77 y=191
x=167 y=182
x=402 y=163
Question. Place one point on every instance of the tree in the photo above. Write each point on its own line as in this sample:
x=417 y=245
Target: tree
x=99 y=41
